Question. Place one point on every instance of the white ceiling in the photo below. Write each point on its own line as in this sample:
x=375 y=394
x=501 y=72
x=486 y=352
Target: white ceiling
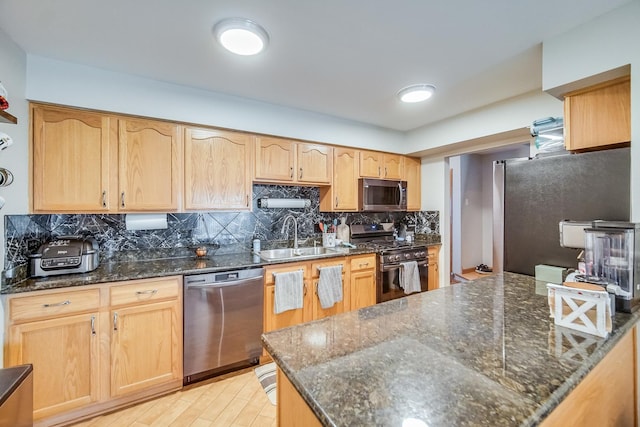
x=342 y=58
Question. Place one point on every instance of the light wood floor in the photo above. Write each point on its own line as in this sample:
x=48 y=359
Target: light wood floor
x=233 y=401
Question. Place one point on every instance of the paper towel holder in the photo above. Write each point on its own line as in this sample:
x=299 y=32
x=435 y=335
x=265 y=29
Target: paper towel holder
x=146 y=221
x=267 y=202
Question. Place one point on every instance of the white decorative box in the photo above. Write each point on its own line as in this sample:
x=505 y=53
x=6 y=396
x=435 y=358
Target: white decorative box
x=585 y=310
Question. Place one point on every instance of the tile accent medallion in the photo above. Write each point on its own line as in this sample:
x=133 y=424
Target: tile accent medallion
x=224 y=232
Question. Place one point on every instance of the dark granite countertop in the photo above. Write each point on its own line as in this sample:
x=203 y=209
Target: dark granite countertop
x=11 y=378
x=130 y=269
x=478 y=353
x=131 y=265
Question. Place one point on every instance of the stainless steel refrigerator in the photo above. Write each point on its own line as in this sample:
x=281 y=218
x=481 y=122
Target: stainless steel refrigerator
x=531 y=196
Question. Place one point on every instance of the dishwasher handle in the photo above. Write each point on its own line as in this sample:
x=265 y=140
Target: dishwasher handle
x=213 y=285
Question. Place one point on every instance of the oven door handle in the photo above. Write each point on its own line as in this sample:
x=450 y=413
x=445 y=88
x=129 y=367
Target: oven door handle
x=385 y=268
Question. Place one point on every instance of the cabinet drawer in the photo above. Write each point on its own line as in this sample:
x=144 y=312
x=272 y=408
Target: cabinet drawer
x=147 y=291
x=316 y=266
x=53 y=304
x=363 y=263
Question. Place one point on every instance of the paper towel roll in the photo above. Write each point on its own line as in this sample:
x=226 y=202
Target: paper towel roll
x=146 y=221
x=283 y=203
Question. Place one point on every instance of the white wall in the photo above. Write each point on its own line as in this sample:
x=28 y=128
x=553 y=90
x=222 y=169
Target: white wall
x=487 y=160
x=471 y=206
x=77 y=85
x=608 y=42
x=13 y=64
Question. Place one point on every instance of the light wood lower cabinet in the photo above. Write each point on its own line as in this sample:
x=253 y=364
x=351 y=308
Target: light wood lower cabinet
x=359 y=290
x=292 y=410
x=99 y=347
x=362 y=281
x=64 y=354
x=433 y=281
x=339 y=307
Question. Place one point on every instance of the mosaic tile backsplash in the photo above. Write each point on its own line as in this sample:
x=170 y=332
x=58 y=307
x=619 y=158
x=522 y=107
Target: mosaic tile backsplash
x=229 y=232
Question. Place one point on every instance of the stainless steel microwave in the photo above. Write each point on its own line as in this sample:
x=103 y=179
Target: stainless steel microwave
x=378 y=195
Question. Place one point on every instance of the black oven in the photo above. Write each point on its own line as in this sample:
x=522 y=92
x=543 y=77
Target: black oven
x=389 y=265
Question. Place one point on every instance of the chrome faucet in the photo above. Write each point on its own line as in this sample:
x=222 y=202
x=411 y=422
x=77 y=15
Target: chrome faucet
x=295 y=229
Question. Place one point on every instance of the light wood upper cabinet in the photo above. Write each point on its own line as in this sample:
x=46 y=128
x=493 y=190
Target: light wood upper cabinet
x=598 y=116
x=315 y=163
x=412 y=176
x=217 y=169
x=393 y=166
x=71 y=158
x=284 y=161
x=371 y=163
x=374 y=164
x=148 y=169
x=275 y=159
x=343 y=193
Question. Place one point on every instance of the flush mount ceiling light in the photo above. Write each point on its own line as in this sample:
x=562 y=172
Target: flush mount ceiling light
x=241 y=36
x=416 y=93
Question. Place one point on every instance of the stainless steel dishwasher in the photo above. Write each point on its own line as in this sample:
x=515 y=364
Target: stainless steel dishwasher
x=222 y=322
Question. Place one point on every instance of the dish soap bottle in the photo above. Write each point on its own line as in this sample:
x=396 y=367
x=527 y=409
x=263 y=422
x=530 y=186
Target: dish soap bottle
x=342 y=231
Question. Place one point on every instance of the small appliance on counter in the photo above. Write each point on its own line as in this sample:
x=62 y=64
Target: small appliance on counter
x=612 y=260
x=65 y=255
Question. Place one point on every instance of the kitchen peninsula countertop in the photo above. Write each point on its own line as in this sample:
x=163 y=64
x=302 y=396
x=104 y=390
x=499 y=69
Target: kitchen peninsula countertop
x=478 y=353
x=180 y=262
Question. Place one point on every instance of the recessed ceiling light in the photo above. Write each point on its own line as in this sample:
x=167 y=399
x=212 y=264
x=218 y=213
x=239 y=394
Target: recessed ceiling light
x=416 y=93
x=241 y=36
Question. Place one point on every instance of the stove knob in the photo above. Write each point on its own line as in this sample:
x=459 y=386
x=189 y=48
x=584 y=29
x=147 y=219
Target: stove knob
x=420 y=254
x=407 y=256
x=395 y=257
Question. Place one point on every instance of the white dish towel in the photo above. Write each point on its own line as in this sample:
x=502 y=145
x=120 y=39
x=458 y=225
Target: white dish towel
x=330 y=286
x=409 y=277
x=288 y=291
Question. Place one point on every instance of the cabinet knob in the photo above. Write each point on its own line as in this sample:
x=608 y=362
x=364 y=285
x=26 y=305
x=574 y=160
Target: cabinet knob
x=336 y=201
x=300 y=177
x=93 y=325
x=122 y=199
x=115 y=321
x=104 y=199
x=291 y=172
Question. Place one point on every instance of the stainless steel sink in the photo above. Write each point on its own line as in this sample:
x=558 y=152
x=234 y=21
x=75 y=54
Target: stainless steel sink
x=294 y=254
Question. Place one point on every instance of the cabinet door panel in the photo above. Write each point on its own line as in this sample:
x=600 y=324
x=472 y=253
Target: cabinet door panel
x=282 y=320
x=64 y=354
x=598 y=116
x=217 y=169
x=392 y=166
x=148 y=167
x=412 y=176
x=370 y=164
x=363 y=289
x=345 y=180
x=70 y=160
x=145 y=346
x=339 y=307
x=315 y=163
x=275 y=159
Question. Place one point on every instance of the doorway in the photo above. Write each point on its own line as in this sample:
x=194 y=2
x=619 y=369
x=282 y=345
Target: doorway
x=471 y=208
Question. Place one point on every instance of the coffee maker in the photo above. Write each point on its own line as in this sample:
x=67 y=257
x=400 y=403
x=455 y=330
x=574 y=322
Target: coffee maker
x=612 y=259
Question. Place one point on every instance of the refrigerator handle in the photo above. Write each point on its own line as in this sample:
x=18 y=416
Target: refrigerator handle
x=498 y=215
